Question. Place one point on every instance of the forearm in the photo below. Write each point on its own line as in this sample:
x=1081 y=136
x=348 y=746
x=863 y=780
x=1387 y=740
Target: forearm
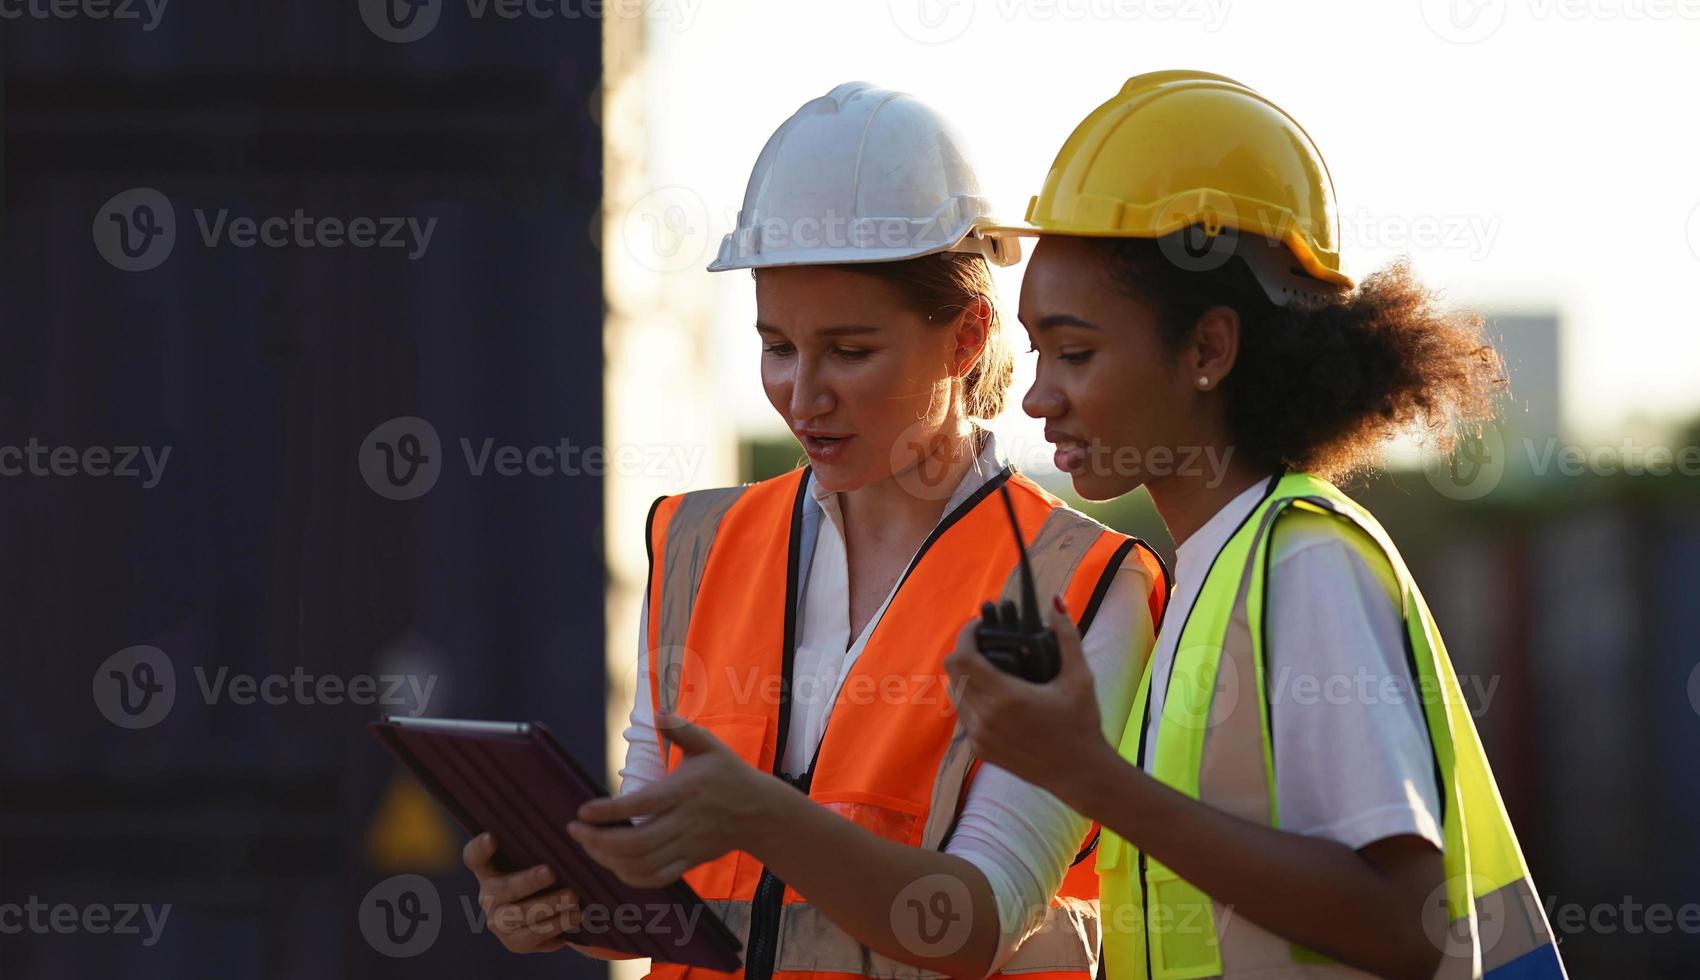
x=856 y=878
x=1315 y=892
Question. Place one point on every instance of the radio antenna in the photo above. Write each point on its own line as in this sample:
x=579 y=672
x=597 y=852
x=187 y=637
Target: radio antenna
x=1029 y=600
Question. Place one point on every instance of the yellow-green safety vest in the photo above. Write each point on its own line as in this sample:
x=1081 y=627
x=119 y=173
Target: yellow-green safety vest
x=1214 y=745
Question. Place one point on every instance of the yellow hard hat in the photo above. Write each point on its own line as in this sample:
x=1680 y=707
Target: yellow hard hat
x=1175 y=149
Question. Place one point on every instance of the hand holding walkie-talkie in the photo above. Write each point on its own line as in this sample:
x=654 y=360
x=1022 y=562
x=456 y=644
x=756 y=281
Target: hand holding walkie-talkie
x=1015 y=641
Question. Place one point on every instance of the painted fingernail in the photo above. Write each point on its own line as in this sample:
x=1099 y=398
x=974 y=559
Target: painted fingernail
x=1057 y=602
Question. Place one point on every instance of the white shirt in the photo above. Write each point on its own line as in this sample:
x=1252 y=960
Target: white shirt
x=1021 y=837
x=1352 y=757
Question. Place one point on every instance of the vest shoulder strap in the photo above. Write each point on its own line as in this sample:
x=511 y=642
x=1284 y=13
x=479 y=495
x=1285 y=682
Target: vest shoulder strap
x=679 y=535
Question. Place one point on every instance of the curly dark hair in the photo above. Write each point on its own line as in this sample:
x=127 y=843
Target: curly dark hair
x=1320 y=385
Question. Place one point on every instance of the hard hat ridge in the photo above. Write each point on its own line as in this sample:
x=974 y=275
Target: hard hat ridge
x=861 y=174
x=1179 y=149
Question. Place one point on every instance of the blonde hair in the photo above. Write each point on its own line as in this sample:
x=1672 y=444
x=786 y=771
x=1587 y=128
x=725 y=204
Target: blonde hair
x=949 y=282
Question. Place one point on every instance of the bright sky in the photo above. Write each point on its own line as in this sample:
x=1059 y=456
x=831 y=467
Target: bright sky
x=1535 y=155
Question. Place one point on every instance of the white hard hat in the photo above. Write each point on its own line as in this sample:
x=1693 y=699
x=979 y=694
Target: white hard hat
x=861 y=174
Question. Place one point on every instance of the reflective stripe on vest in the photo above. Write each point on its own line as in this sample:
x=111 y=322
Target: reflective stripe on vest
x=894 y=760
x=1214 y=744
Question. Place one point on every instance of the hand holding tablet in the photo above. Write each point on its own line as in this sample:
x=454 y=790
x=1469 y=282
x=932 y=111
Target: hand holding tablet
x=515 y=782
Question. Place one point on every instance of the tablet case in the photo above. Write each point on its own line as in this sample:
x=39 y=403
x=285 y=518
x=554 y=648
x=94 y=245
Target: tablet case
x=515 y=781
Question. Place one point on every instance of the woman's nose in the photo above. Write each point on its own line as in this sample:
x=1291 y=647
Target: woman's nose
x=1043 y=401
x=810 y=396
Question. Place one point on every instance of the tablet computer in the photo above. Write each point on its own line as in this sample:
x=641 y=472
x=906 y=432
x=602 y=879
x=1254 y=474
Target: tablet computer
x=515 y=781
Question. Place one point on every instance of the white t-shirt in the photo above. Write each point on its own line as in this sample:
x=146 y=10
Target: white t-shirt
x=1021 y=837
x=1353 y=762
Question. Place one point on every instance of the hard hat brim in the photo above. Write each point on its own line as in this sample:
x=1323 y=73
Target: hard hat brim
x=1295 y=243
x=998 y=250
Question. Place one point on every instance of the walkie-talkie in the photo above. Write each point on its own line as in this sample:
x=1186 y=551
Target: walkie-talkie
x=1015 y=641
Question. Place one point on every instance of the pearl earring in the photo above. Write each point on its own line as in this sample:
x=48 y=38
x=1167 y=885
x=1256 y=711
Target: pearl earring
x=1204 y=381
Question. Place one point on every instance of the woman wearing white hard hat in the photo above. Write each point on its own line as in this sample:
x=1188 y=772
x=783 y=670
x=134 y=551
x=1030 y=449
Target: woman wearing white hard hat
x=1299 y=790
x=793 y=754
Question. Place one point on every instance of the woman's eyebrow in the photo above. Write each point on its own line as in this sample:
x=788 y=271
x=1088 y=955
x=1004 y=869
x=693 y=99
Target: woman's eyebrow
x=1063 y=320
x=843 y=330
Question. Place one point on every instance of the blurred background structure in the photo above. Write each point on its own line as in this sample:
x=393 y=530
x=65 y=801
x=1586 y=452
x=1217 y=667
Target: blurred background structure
x=423 y=462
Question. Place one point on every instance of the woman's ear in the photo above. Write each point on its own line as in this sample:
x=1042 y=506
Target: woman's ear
x=1215 y=346
x=973 y=327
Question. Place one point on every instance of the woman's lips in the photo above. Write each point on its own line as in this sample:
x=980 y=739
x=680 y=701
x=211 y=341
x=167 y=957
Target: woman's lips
x=825 y=449
x=1070 y=457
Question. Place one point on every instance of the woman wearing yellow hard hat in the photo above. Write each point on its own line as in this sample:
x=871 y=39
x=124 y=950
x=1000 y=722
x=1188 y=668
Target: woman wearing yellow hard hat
x=1300 y=790
x=792 y=753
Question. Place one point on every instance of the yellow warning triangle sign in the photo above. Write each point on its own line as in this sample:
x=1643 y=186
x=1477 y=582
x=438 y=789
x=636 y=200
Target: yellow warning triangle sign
x=410 y=832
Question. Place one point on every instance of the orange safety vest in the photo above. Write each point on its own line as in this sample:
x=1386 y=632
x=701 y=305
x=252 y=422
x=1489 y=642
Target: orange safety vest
x=723 y=601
